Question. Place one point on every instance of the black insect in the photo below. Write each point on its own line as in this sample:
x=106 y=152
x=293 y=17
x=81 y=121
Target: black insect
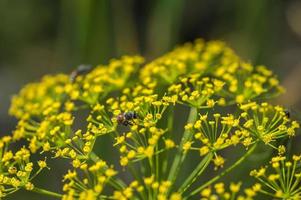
x=292 y=113
x=80 y=70
x=287 y=113
x=126 y=118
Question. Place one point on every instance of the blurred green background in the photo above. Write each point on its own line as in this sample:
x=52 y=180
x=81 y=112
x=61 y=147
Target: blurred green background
x=39 y=37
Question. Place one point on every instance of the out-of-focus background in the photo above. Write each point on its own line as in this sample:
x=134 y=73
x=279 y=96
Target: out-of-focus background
x=51 y=36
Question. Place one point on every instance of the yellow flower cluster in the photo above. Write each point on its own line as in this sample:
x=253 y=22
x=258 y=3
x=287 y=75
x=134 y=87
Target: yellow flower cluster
x=241 y=80
x=197 y=92
x=45 y=108
x=285 y=182
x=142 y=140
x=103 y=79
x=266 y=122
x=262 y=122
x=87 y=188
x=219 y=192
x=17 y=171
x=151 y=190
x=40 y=99
x=142 y=112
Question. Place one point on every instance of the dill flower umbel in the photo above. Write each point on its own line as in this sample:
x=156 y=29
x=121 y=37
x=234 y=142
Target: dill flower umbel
x=17 y=170
x=161 y=130
x=284 y=182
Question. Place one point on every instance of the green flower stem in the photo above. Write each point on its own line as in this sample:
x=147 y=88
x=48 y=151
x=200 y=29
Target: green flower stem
x=46 y=192
x=196 y=172
x=239 y=161
x=170 y=121
x=157 y=164
x=139 y=178
x=94 y=157
x=180 y=156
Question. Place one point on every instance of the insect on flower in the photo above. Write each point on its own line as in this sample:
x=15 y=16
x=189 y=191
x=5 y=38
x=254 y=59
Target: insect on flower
x=80 y=70
x=292 y=113
x=287 y=113
x=126 y=118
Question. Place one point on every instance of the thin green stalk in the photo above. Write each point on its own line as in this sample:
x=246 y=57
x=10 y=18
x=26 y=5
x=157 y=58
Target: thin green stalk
x=196 y=172
x=180 y=156
x=170 y=119
x=291 y=177
x=157 y=164
x=170 y=122
x=94 y=157
x=239 y=161
x=137 y=177
x=46 y=192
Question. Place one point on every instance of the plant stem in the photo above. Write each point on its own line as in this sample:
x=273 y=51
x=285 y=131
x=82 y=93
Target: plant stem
x=196 y=172
x=224 y=172
x=179 y=158
x=46 y=192
x=170 y=119
x=94 y=157
x=170 y=122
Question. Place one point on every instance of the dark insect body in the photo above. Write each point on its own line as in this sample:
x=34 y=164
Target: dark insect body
x=292 y=113
x=126 y=118
x=287 y=113
x=80 y=70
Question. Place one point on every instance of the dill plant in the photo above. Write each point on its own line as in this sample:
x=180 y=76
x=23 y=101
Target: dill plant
x=204 y=78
